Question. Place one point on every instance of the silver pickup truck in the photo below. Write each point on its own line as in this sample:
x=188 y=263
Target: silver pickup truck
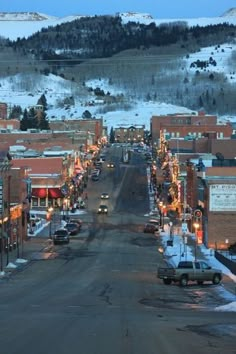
x=187 y=271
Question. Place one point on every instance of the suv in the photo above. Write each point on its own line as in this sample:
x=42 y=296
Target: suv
x=61 y=236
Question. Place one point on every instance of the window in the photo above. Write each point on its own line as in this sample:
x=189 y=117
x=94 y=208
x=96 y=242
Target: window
x=34 y=201
x=205 y=265
x=42 y=202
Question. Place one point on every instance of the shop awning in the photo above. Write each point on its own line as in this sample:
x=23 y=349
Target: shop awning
x=55 y=193
x=39 y=192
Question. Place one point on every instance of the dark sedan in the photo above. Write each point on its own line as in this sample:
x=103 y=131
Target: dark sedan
x=150 y=228
x=72 y=227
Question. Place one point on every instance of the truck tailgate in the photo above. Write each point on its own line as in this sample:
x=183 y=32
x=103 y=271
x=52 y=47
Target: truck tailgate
x=163 y=273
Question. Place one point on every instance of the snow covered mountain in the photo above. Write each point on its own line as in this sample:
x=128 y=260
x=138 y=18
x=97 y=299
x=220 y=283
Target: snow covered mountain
x=15 y=25
x=21 y=90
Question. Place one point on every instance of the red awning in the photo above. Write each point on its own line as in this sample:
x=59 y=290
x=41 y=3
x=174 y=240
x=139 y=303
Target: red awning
x=39 y=192
x=55 y=193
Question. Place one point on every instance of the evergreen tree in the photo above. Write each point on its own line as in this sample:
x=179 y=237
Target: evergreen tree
x=112 y=136
x=86 y=114
x=43 y=101
x=43 y=122
x=33 y=118
x=16 y=112
x=24 y=123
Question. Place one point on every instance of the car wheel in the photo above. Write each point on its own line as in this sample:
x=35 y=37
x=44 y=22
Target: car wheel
x=167 y=281
x=183 y=280
x=216 y=279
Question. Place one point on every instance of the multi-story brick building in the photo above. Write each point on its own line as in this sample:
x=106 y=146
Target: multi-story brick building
x=129 y=134
x=213 y=191
x=187 y=126
x=93 y=126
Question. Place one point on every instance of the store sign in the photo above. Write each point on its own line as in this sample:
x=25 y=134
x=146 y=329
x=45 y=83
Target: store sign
x=222 y=197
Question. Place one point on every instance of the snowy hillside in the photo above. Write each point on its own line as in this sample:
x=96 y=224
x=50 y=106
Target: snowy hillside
x=24 y=24
x=21 y=89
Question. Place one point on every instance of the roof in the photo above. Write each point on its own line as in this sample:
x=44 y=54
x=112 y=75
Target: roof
x=46 y=165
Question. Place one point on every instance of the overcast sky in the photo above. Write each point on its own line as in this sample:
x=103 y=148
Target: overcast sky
x=156 y=8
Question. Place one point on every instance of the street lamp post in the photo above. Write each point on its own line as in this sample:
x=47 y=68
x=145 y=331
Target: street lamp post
x=196 y=227
x=50 y=211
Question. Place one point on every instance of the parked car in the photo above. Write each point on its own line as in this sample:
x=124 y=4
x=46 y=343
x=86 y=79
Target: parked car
x=72 y=227
x=76 y=221
x=102 y=209
x=95 y=178
x=150 y=228
x=154 y=221
x=104 y=196
x=61 y=236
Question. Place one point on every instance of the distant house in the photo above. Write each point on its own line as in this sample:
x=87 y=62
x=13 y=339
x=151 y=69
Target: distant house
x=129 y=134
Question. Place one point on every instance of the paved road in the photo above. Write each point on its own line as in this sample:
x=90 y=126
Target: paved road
x=100 y=295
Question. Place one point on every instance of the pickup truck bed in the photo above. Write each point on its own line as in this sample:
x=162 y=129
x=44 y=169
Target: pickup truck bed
x=187 y=271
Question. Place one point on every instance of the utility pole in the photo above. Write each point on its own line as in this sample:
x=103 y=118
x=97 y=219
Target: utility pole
x=4 y=168
x=185 y=198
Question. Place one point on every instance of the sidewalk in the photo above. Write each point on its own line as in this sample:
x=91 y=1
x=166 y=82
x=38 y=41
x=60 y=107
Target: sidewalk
x=190 y=251
x=37 y=246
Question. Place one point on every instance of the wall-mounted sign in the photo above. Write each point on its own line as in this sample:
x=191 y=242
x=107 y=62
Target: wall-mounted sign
x=222 y=197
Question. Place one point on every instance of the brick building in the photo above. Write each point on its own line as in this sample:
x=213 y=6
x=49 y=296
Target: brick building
x=50 y=179
x=94 y=126
x=180 y=125
x=214 y=192
x=129 y=134
x=14 y=205
x=3 y=110
x=9 y=124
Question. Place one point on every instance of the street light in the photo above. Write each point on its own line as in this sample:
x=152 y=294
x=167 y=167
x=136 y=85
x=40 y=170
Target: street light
x=49 y=216
x=196 y=226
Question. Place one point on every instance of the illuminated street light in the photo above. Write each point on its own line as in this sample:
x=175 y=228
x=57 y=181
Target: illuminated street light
x=49 y=217
x=196 y=226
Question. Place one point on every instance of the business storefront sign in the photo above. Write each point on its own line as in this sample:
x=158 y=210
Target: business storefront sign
x=222 y=197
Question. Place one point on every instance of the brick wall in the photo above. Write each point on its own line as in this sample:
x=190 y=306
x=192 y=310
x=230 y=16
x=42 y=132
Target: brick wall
x=221 y=226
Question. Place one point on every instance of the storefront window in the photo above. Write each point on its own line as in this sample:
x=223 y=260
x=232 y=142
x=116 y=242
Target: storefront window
x=34 y=201
x=42 y=202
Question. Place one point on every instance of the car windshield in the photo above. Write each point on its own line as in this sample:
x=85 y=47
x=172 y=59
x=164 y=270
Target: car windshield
x=61 y=233
x=71 y=225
